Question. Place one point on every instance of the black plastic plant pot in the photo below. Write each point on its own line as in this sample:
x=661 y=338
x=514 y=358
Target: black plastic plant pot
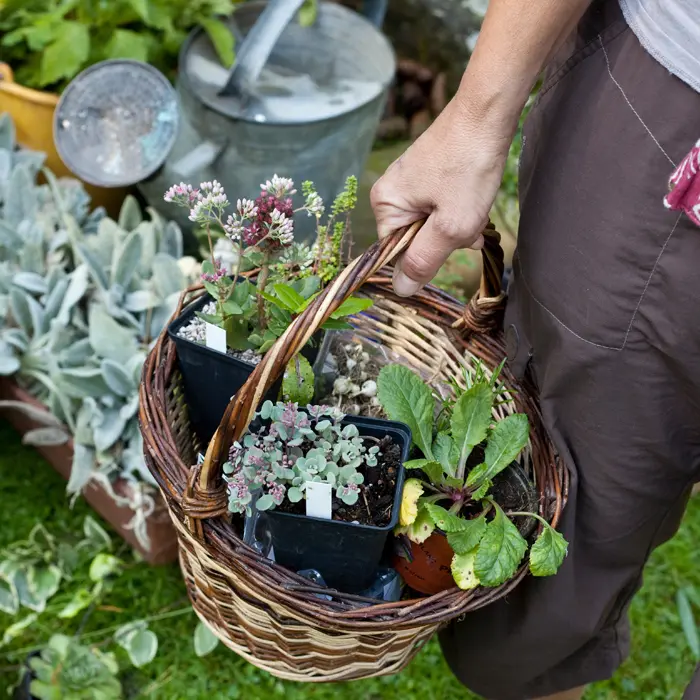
x=347 y=555
x=22 y=691
x=210 y=378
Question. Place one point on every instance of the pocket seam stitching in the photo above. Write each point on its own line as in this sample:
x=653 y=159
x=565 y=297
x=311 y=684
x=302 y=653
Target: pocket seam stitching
x=636 y=310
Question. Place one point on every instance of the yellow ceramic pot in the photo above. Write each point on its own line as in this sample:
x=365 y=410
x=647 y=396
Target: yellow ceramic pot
x=32 y=113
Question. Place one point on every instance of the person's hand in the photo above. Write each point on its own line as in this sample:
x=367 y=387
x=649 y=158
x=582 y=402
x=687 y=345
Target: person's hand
x=450 y=177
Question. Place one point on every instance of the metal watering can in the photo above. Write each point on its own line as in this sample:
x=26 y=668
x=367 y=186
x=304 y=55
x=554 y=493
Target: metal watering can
x=302 y=102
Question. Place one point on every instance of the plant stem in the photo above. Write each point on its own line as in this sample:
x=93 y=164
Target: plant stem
x=262 y=281
x=516 y=514
x=211 y=245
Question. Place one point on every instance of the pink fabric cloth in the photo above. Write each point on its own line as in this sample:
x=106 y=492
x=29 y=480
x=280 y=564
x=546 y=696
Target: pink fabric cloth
x=685 y=186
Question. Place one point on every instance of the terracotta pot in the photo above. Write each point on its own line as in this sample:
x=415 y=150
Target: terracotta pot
x=429 y=572
x=32 y=114
x=160 y=530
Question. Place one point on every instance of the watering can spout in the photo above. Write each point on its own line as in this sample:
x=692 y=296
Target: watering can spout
x=259 y=42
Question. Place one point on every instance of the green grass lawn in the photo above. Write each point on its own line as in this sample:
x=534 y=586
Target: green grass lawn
x=31 y=492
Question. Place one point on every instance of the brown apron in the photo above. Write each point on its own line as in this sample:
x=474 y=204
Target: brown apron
x=604 y=313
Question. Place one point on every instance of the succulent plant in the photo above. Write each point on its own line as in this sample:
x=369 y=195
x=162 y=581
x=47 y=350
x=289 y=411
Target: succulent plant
x=69 y=670
x=81 y=299
x=291 y=448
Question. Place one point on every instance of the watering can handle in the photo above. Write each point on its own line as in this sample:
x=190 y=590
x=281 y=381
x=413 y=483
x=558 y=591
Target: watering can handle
x=258 y=44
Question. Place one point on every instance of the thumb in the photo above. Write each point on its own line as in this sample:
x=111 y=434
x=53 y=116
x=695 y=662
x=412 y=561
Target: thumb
x=425 y=256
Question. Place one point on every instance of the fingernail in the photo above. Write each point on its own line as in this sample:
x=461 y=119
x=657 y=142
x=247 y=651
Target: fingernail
x=404 y=286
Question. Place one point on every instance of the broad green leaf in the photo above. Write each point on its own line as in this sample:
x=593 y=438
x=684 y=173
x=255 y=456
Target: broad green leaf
x=108 y=337
x=222 y=39
x=432 y=469
x=231 y=307
x=548 y=552
x=463 y=573
x=290 y=298
x=442 y=449
x=140 y=643
x=467 y=539
x=690 y=629
x=9 y=601
x=140 y=7
x=444 y=520
x=471 y=418
x=104 y=565
x=205 y=641
x=334 y=324
x=352 y=306
x=15 y=630
x=131 y=45
x=298 y=381
x=265 y=502
x=406 y=398
x=500 y=551
x=483 y=490
x=507 y=440
x=80 y=600
x=307 y=286
x=67 y=54
x=43 y=581
x=128 y=260
x=308 y=13
x=96 y=535
x=421 y=528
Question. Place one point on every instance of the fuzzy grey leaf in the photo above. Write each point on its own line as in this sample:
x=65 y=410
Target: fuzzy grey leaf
x=117 y=379
x=9 y=238
x=45 y=436
x=20 y=197
x=17 y=338
x=81 y=469
x=31 y=160
x=7 y=132
x=140 y=300
x=27 y=312
x=54 y=300
x=109 y=429
x=76 y=291
x=171 y=241
x=94 y=266
x=167 y=276
x=31 y=282
x=81 y=382
x=77 y=354
x=40 y=415
x=9 y=364
x=130 y=214
x=108 y=338
x=128 y=260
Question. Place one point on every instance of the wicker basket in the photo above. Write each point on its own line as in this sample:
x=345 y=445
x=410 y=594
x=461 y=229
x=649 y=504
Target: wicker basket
x=268 y=615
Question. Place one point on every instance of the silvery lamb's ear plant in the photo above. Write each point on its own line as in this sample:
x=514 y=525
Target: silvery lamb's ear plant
x=81 y=299
x=291 y=448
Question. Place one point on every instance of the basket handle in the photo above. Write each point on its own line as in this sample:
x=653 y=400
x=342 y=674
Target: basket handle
x=205 y=495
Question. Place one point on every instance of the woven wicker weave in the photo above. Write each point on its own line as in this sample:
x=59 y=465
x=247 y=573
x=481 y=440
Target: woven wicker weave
x=271 y=616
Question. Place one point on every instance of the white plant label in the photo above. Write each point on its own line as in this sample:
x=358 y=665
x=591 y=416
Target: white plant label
x=318 y=500
x=215 y=337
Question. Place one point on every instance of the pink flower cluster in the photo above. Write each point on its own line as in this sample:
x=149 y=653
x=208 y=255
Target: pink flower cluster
x=217 y=275
x=206 y=203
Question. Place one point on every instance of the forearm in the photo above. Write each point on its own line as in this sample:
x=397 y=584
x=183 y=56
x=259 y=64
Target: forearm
x=517 y=39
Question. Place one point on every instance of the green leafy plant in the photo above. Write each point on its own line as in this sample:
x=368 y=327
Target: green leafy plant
x=48 y=42
x=464 y=447
x=255 y=314
x=688 y=598
x=69 y=670
x=291 y=449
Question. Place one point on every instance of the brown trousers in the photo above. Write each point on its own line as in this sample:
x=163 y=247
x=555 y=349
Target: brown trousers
x=603 y=311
